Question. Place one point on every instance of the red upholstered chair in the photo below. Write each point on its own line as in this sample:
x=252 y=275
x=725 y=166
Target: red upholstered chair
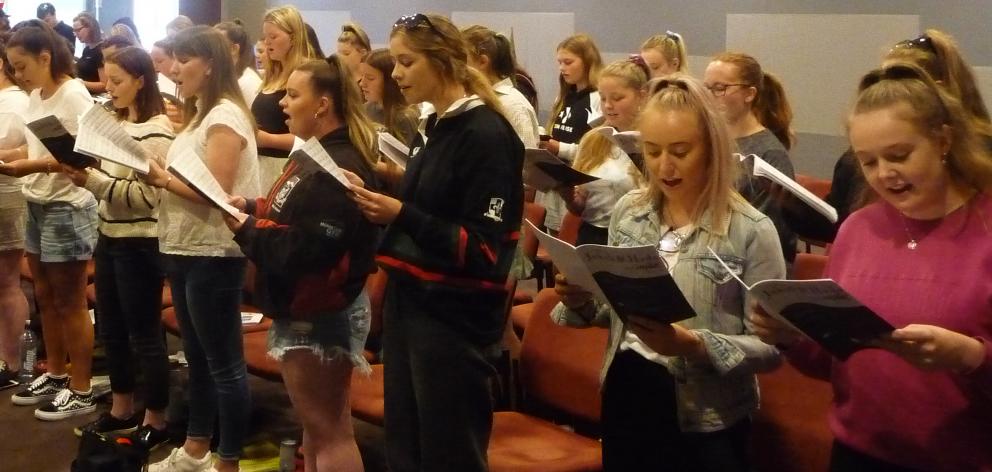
x=790 y=431
x=820 y=188
x=559 y=369
x=809 y=266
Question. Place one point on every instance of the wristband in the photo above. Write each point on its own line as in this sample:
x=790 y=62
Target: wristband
x=166 y=186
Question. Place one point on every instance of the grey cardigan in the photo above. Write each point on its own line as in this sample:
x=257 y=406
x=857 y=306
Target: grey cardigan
x=711 y=395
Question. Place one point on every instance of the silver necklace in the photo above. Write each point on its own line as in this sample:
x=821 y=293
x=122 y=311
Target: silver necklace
x=912 y=243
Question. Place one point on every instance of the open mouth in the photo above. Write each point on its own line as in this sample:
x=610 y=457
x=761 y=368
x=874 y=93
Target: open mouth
x=900 y=189
x=671 y=182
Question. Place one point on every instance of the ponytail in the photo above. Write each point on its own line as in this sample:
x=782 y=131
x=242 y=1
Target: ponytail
x=770 y=106
x=773 y=111
x=331 y=78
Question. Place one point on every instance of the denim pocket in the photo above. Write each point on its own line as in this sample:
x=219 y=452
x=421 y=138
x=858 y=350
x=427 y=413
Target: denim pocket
x=710 y=267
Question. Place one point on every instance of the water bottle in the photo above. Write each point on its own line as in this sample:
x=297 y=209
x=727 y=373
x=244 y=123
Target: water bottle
x=287 y=455
x=29 y=354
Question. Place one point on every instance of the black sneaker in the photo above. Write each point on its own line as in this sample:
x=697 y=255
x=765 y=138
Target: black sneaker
x=8 y=378
x=108 y=424
x=67 y=403
x=149 y=438
x=42 y=389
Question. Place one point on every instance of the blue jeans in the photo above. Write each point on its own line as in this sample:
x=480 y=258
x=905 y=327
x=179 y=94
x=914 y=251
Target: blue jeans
x=206 y=293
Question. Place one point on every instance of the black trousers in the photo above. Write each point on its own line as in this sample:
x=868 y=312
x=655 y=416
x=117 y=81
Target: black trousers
x=641 y=431
x=128 y=282
x=438 y=395
x=846 y=459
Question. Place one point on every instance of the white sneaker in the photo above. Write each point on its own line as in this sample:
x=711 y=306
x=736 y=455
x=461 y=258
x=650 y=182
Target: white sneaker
x=179 y=461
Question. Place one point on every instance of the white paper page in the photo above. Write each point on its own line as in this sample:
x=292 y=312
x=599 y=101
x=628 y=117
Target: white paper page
x=101 y=136
x=393 y=149
x=567 y=261
x=316 y=151
x=766 y=170
x=637 y=262
x=595 y=119
x=189 y=166
x=297 y=144
x=250 y=318
x=628 y=141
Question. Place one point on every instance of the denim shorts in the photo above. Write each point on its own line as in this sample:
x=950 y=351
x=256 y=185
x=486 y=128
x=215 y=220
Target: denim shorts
x=12 y=220
x=60 y=232
x=329 y=336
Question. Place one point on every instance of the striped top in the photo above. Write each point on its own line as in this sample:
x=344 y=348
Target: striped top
x=129 y=206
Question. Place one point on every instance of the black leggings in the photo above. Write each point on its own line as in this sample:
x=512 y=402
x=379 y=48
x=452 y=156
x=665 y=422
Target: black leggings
x=641 y=428
x=129 y=304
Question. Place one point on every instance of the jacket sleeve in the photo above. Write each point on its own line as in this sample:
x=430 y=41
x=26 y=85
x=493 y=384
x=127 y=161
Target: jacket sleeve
x=318 y=239
x=130 y=192
x=490 y=173
x=745 y=352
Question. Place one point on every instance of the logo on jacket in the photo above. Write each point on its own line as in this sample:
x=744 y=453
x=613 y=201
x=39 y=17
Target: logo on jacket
x=287 y=188
x=495 y=211
x=565 y=115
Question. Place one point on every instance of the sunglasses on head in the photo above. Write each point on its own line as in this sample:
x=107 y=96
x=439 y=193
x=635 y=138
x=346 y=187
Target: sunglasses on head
x=920 y=42
x=673 y=36
x=411 y=22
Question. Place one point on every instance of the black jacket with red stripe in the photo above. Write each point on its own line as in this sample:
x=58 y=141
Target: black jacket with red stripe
x=311 y=244
x=452 y=243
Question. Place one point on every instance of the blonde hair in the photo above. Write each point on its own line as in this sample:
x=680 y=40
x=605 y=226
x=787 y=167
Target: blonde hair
x=771 y=106
x=929 y=107
x=353 y=34
x=447 y=53
x=672 y=48
x=583 y=46
x=938 y=53
x=595 y=148
x=288 y=19
x=680 y=92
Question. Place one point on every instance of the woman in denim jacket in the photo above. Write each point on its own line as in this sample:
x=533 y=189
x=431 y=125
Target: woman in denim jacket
x=679 y=397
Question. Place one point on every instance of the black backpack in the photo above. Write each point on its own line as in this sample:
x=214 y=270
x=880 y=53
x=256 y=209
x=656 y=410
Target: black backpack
x=100 y=454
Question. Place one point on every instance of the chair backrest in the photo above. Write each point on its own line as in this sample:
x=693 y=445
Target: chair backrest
x=569 y=230
x=819 y=187
x=534 y=212
x=809 y=266
x=559 y=366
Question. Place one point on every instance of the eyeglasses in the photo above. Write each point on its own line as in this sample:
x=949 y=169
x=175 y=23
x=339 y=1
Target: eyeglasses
x=719 y=90
x=76 y=30
x=671 y=242
x=409 y=22
x=920 y=42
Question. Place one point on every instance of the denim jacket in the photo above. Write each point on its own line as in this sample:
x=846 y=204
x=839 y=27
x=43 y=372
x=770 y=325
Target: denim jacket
x=715 y=394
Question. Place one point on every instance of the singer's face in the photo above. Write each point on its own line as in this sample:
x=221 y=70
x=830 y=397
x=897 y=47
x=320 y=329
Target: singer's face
x=371 y=81
x=122 y=87
x=30 y=70
x=675 y=154
x=191 y=75
x=277 y=41
x=302 y=105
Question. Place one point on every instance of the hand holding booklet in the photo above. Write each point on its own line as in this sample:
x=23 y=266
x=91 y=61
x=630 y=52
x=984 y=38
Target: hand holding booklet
x=194 y=173
x=393 y=149
x=316 y=152
x=766 y=170
x=101 y=136
x=545 y=171
x=628 y=141
x=59 y=142
x=821 y=310
x=634 y=281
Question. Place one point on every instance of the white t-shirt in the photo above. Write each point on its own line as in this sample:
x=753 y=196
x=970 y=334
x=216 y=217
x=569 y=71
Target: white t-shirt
x=519 y=112
x=13 y=106
x=67 y=103
x=250 y=84
x=196 y=229
x=615 y=180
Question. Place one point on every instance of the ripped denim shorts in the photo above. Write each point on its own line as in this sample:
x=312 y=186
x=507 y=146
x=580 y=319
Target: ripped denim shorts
x=329 y=336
